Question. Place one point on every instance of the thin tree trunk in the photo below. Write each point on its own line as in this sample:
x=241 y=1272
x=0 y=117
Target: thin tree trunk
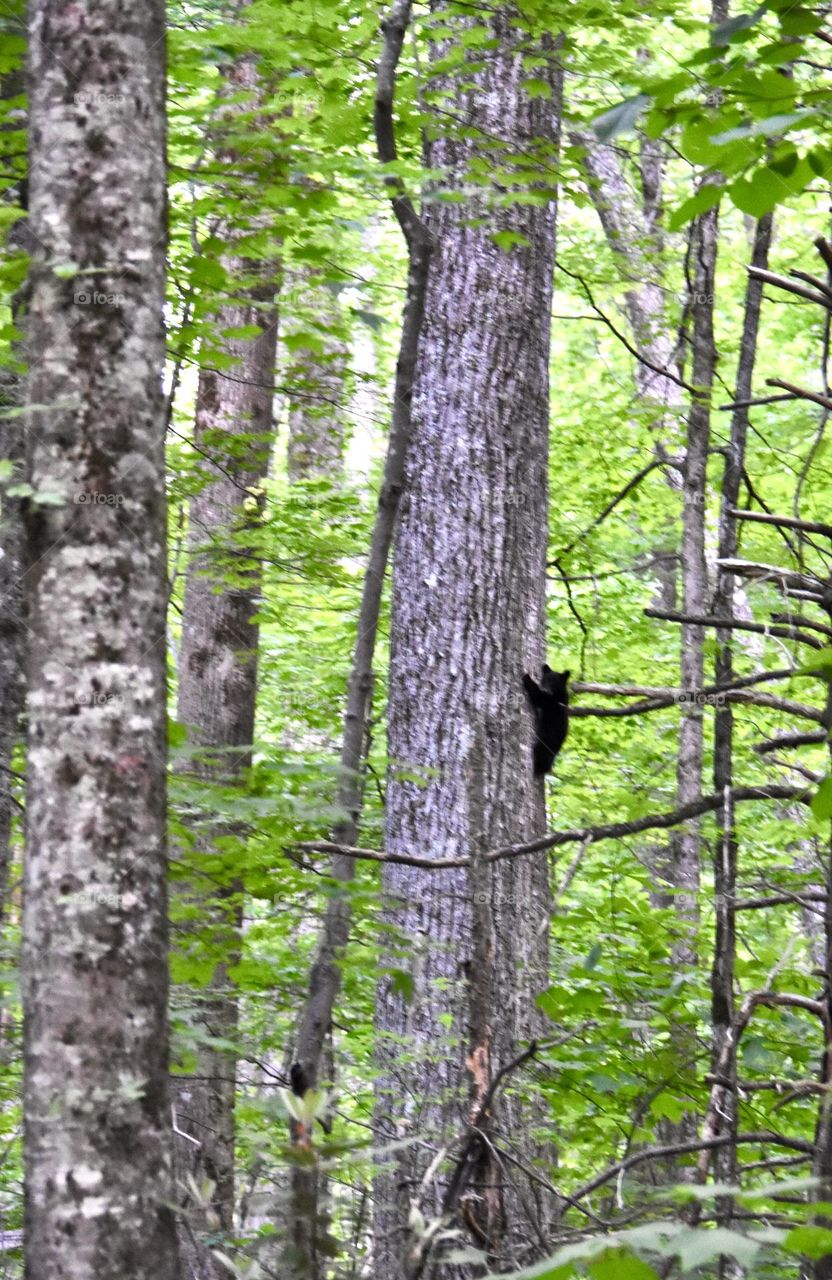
x=306 y=1222
x=233 y=431
x=12 y=628
x=822 y=1163
x=97 y=1118
x=725 y=845
x=317 y=438
x=468 y=620
x=12 y=623
x=685 y=845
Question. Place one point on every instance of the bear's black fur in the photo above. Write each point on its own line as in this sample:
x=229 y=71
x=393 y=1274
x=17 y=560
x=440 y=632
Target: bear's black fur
x=550 y=704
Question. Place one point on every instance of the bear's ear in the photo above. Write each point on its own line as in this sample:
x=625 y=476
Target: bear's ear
x=565 y=674
x=547 y=670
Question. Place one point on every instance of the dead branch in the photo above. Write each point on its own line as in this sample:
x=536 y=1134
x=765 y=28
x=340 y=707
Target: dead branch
x=782 y=282
x=681 y=1148
x=764 y=517
x=631 y=484
x=781 y=900
x=590 y=835
x=790 y=740
x=785 y=578
x=797 y=620
x=801 y=393
x=735 y=624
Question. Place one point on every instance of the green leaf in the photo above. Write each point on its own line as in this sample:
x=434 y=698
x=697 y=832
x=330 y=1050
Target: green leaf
x=759 y=128
x=800 y=22
x=508 y=239
x=620 y=1264
x=402 y=983
x=696 y=1247
x=821 y=665
x=619 y=119
x=666 y=1107
x=708 y=195
x=771 y=184
x=814 y=1242
x=724 y=32
x=537 y=88
x=822 y=799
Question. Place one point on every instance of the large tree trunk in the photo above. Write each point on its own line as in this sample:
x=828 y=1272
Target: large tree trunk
x=233 y=432
x=97 y=1117
x=468 y=620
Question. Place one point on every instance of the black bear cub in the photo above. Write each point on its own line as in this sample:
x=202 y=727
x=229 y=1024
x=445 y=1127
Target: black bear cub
x=550 y=703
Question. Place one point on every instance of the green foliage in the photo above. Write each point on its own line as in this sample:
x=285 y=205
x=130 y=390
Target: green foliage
x=283 y=187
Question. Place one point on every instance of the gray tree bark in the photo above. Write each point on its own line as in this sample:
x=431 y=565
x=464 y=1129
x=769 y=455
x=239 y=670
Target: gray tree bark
x=97 y=1119
x=233 y=432
x=468 y=620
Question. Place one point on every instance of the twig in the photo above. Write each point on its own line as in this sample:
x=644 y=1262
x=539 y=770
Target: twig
x=642 y=359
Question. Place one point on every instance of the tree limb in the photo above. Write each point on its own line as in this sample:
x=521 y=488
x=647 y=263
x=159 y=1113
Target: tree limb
x=590 y=835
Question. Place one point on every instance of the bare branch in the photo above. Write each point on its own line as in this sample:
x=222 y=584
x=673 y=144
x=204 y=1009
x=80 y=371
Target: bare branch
x=680 y=1148
x=590 y=835
x=782 y=900
x=656 y=699
x=785 y=522
x=631 y=484
x=662 y=372
x=791 y=740
x=760 y=628
x=800 y=392
x=785 y=578
x=782 y=282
